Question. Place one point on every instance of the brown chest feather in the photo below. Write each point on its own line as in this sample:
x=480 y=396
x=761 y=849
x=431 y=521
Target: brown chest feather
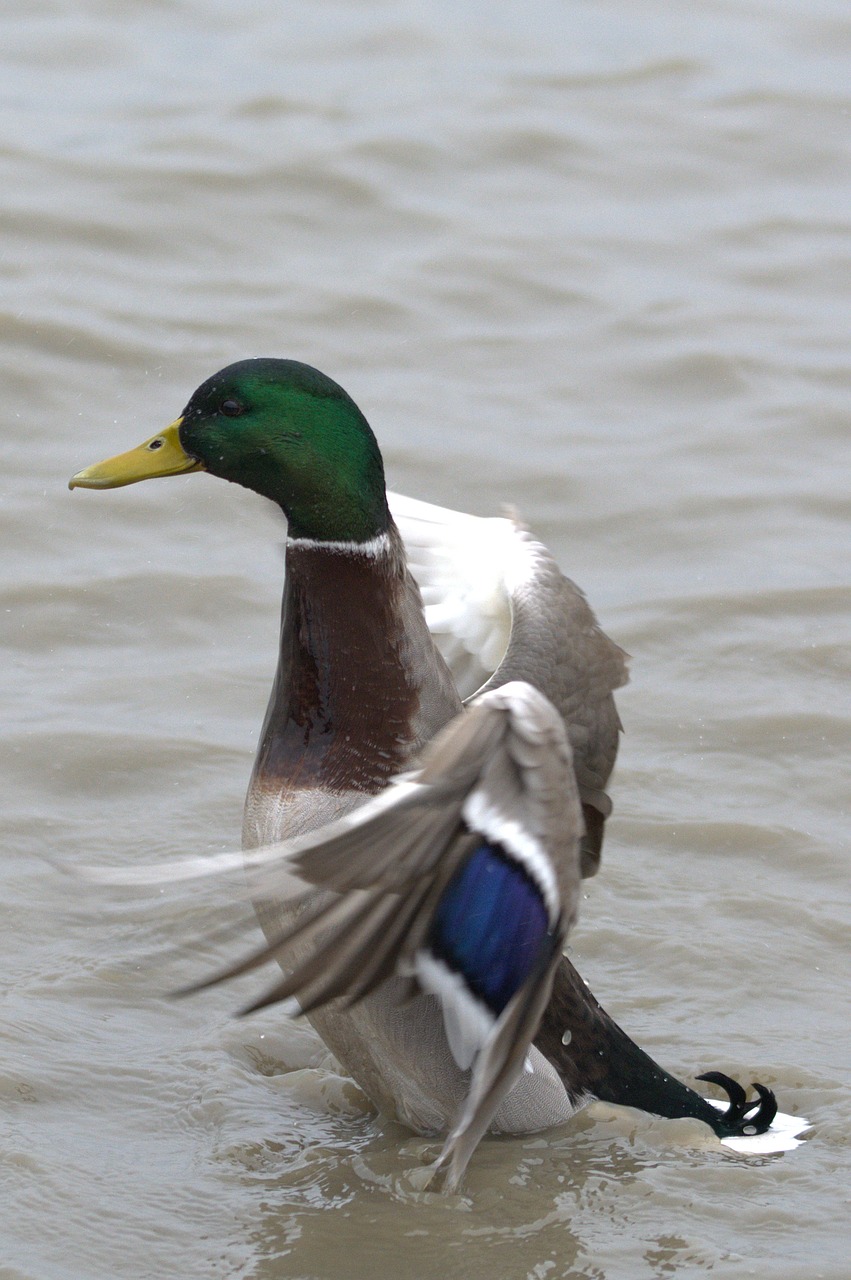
x=353 y=673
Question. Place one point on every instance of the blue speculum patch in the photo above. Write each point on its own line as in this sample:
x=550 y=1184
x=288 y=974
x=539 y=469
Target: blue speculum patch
x=490 y=925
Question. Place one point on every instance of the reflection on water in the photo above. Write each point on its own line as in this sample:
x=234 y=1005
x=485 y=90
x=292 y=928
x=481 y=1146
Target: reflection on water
x=589 y=262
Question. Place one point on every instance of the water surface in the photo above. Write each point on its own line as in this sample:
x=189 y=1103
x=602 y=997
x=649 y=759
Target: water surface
x=587 y=258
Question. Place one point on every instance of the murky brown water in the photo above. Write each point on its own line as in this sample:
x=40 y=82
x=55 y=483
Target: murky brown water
x=589 y=258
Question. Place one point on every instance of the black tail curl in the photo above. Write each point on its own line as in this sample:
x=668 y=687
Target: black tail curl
x=743 y=1118
x=596 y=1058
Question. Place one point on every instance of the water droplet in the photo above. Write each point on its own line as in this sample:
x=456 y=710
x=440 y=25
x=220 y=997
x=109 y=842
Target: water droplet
x=567 y=1037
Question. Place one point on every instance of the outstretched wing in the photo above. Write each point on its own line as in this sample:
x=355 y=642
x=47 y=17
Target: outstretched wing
x=500 y=610
x=462 y=877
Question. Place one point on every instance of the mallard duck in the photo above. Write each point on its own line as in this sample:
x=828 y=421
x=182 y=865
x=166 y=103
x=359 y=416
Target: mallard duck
x=451 y=816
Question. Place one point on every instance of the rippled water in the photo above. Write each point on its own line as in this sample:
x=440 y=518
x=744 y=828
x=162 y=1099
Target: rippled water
x=588 y=258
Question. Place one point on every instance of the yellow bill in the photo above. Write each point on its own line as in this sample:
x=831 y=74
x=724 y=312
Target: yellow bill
x=162 y=455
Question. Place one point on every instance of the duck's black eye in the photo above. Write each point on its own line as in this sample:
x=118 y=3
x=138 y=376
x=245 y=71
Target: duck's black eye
x=232 y=408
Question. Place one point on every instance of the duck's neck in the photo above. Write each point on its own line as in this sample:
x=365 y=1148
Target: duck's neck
x=359 y=685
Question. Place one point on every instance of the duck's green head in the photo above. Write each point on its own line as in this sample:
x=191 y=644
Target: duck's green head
x=282 y=429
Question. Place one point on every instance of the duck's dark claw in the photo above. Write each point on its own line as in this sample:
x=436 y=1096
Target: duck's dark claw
x=742 y=1118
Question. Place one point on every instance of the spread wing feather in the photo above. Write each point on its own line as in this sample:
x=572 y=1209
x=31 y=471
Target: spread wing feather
x=497 y=781
x=500 y=610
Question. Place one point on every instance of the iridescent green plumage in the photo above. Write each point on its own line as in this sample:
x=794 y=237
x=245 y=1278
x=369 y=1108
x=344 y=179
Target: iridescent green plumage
x=293 y=435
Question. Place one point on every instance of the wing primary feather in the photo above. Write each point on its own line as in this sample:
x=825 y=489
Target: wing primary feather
x=253 y=960
x=370 y=935
x=378 y=877
x=383 y=953
x=325 y=974
x=365 y=949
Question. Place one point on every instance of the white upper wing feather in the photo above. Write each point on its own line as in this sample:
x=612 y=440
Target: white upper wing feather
x=462 y=564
